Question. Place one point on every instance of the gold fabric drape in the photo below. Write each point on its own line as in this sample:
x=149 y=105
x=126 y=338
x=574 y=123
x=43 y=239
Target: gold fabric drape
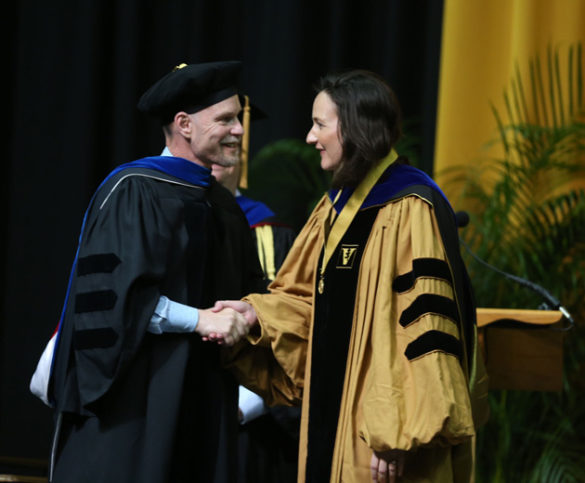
x=482 y=44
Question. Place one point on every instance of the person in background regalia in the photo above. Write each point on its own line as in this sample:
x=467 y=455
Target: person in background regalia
x=268 y=436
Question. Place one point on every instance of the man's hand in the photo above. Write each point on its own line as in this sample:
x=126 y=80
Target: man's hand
x=243 y=308
x=386 y=466
x=225 y=327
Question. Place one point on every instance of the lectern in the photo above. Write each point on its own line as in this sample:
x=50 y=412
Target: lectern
x=523 y=349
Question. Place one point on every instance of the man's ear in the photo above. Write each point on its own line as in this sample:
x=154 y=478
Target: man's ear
x=182 y=123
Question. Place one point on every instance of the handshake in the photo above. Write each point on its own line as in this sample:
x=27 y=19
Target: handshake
x=226 y=322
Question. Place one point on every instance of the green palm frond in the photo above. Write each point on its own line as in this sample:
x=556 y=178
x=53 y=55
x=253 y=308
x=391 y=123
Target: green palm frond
x=527 y=214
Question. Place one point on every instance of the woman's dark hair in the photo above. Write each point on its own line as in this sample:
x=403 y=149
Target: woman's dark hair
x=369 y=121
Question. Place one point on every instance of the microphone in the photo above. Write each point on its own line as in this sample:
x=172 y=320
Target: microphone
x=462 y=220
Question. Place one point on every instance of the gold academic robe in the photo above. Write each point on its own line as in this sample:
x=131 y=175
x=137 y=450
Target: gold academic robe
x=422 y=406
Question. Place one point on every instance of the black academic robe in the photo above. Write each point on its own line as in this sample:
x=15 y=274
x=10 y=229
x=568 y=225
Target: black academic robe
x=139 y=407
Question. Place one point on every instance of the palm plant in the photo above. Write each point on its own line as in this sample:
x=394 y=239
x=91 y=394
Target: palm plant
x=527 y=214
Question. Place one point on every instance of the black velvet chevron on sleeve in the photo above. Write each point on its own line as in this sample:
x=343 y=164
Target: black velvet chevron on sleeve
x=100 y=263
x=94 y=338
x=429 y=303
x=422 y=267
x=95 y=301
x=431 y=341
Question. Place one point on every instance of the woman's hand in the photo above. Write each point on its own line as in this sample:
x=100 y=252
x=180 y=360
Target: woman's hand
x=226 y=326
x=387 y=466
x=243 y=308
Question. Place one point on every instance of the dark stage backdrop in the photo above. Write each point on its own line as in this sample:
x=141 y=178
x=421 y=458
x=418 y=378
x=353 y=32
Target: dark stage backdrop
x=76 y=70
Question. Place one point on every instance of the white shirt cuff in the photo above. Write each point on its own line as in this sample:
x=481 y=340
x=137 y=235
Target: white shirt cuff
x=251 y=405
x=172 y=316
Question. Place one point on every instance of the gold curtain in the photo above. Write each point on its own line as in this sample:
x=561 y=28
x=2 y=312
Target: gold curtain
x=482 y=43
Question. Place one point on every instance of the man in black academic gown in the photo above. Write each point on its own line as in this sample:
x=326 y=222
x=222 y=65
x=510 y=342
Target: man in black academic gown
x=138 y=389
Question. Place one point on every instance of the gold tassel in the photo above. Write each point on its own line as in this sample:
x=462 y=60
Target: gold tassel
x=245 y=145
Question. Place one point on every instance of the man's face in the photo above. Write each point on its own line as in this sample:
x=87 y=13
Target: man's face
x=217 y=133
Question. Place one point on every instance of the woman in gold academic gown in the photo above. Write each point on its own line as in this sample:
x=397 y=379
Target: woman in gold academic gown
x=371 y=317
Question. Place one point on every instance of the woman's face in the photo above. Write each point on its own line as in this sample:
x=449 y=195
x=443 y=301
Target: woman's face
x=324 y=134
